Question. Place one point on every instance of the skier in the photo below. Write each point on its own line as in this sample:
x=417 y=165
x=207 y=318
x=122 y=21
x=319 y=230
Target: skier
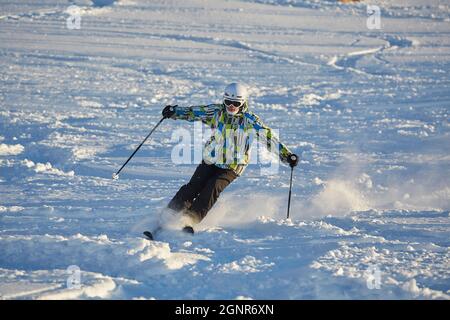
x=217 y=169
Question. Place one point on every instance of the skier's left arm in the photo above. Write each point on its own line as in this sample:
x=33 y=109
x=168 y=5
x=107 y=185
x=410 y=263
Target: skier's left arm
x=270 y=140
x=203 y=113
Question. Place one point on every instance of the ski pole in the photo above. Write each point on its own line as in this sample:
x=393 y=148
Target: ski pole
x=290 y=191
x=115 y=176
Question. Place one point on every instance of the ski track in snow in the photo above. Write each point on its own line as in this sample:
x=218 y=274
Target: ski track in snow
x=367 y=110
x=349 y=60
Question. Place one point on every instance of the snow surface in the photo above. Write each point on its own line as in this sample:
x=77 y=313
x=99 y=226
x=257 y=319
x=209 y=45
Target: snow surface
x=367 y=110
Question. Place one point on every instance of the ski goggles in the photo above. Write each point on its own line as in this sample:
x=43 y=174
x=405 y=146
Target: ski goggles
x=232 y=103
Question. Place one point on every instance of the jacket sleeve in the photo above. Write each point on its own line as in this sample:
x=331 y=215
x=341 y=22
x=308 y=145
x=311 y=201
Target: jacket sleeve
x=270 y=140
x=203 y=113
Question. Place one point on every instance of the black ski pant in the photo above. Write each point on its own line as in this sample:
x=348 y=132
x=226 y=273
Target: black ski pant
x=199 y=195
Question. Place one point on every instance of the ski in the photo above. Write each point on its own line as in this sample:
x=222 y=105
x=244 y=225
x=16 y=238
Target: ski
x=150 y=235
x=188 y=229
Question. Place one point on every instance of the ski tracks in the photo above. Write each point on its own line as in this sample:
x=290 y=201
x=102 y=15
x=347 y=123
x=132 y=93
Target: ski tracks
x=348 y=62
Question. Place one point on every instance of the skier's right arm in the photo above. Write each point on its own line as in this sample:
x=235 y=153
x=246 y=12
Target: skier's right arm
x=202 y=113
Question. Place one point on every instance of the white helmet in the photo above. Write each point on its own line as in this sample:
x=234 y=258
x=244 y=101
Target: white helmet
x=235 y=98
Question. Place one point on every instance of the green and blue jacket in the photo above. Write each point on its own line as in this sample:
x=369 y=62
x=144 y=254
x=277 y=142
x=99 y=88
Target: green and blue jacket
x=232 y=136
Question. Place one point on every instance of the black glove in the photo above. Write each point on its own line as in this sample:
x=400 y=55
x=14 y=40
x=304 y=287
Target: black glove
x=292 y=160
x=169 y=111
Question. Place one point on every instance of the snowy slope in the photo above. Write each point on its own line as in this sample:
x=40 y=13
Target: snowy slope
x=368 y=111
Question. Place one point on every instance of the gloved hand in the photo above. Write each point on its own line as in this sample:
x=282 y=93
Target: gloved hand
x=169 y=111
x=292 y=160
